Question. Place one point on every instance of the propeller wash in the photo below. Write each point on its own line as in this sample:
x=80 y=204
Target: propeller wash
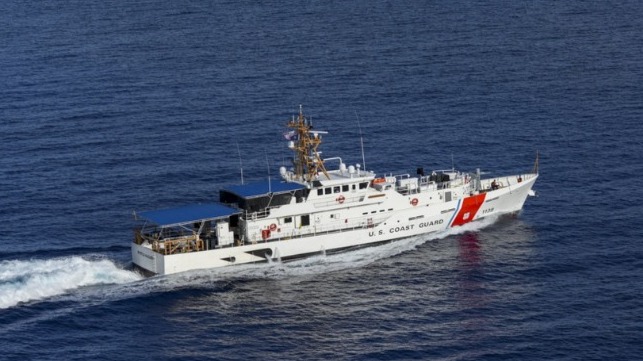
x=316 y=210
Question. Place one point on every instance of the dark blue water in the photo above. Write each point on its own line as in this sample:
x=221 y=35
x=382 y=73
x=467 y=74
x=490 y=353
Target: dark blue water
x=113 y=106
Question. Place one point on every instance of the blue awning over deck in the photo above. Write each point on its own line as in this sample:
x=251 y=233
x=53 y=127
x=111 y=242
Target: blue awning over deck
x=257 y=189
x=187 y=214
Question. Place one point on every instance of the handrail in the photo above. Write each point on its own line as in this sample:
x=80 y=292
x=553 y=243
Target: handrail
x=326 y=203
x=402 y=176
x=256 y=215
x=183 y=244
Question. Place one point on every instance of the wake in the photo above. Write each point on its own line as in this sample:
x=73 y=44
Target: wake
x=32 y=280
x=24 y=281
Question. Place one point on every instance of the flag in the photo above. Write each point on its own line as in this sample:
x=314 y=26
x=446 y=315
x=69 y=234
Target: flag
x=291 y=135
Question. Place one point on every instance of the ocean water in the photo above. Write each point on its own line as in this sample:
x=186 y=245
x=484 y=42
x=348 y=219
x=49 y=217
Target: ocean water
x=114 y=106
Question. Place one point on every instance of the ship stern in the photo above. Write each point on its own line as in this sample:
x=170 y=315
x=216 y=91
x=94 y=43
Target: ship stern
x=146 y=259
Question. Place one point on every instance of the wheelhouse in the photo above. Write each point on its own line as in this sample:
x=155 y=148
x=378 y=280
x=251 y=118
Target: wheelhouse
x=259 y=196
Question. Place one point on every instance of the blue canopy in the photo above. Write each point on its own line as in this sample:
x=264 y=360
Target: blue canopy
x=187 y=214
x=262 y=188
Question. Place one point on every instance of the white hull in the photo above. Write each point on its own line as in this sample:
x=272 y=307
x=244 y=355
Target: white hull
x=411 y=214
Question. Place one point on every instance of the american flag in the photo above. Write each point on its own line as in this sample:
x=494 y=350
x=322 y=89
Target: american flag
x=291 y=135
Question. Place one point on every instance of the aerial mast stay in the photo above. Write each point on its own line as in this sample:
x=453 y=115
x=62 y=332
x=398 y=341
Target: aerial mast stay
x=308 y=162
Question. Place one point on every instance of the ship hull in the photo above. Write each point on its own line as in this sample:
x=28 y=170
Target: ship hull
x=419 y=219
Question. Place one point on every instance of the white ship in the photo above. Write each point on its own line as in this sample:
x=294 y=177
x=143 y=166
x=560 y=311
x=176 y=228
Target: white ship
x=316 y=210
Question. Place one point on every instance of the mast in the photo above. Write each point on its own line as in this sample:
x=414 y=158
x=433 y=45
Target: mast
x=535 y=169
x=361 y=140
x=240 y=164
x=307 y=161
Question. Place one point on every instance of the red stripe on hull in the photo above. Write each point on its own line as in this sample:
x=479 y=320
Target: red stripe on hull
x=470 y=207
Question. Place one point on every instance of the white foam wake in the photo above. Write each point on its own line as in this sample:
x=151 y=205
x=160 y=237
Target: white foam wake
x=23 y=281
x=30 y=280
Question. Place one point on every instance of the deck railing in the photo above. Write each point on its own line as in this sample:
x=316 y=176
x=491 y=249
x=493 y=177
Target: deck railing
x=179 y=245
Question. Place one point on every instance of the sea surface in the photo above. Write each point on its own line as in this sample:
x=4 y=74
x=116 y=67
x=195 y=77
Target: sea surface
x=110 y=107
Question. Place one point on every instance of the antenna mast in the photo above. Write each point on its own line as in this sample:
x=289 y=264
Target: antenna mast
x=268 y=167
x=308 y=163
x=240 y=164
x=535 y=169
x=361 y=139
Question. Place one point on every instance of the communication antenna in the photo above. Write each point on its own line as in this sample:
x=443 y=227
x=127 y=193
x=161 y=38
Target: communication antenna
x=535 y=169
x=268 y=167
x=361 y=139
x=240 y=164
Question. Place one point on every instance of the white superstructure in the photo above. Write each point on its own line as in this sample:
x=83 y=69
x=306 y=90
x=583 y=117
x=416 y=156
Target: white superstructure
x=314 y=210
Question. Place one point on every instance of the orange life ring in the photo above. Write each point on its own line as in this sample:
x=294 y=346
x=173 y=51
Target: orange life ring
x=273 y=227
x=340 y=199
x=414 y=202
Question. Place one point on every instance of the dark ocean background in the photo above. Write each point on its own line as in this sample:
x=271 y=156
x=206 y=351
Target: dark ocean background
x=107 y=107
